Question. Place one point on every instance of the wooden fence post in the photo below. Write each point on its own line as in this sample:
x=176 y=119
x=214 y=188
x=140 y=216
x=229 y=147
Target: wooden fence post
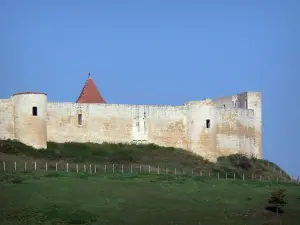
x=46 y=166
x=67 y=167
x=113 y=168
x=34 y=165
x=243 y=177
x=130 y=168
x=158 y=170
x=122 y=169
x=234 y=176
x=95 y=169
x=209 y=174
x=140 y=168
x=15 y=166
x=149 y=169
x=77 y=168
x=226 y=176
x=4 y=167
x=90 y=168
x=104 y=168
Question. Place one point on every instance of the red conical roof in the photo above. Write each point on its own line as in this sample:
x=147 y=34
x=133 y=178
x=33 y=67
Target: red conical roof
x=90 y=93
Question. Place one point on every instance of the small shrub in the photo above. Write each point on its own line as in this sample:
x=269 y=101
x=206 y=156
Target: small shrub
x=278 y=199
x=11 y=178
x=8 y=146
x=17 y=180
x=240 y=161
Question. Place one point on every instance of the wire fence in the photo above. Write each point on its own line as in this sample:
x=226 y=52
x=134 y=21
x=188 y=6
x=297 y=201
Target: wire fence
x=45 y=166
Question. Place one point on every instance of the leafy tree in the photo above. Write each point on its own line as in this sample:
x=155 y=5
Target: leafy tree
x=278 y=199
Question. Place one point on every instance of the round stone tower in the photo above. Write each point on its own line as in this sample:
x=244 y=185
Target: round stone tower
x=30 y=118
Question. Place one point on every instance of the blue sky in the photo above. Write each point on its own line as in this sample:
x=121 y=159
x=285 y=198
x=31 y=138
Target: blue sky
x=161 y=52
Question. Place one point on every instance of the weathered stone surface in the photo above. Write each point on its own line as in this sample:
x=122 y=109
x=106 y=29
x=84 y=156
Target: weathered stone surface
x=235 y=128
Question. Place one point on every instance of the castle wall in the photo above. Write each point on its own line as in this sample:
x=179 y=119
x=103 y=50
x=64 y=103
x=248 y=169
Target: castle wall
x=167 y=126
x=235 y=131
x=6 y=119
x=163 y=125
x=235 y=128
x=247 y=101
x=227 y=102
x=254 y=102
x=100 y=123
x=202 y=139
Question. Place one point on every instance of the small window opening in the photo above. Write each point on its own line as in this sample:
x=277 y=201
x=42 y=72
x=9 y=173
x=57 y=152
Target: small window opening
x=207 y=123
x=79 y=119
x=224 y=105
x=34 y=111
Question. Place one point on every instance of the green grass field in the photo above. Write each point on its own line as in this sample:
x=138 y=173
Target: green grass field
x=40 y=197
x=70 y=198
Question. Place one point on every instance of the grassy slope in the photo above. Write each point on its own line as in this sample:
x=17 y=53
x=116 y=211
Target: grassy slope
x=141 y=154
x=60 y=198
x=70 y=198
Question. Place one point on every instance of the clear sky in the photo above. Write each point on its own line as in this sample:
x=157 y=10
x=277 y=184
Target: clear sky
x=161 y=52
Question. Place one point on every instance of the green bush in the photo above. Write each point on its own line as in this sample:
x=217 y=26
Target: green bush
x=146 y=154
x=278 y=199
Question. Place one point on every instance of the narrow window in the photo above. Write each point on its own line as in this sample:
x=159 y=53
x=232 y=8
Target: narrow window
x=207 y=123
x=79 y=119
x=34 y=111
x=224 y=105
x=246 y=104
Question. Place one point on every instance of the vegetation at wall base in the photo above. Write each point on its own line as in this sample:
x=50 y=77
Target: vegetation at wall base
x=150 y=154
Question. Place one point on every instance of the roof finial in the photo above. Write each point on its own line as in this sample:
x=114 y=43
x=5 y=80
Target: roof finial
x=89 y=75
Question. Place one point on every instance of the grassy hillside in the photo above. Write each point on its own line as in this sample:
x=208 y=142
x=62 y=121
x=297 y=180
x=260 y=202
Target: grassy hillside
x=143 y=155
x=70 y=198
x=59 y=198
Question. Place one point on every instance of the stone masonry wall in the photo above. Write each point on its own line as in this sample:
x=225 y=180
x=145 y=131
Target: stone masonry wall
x=29 y=128
x=162 y=125
x=233 y=128
x=235 y=132
x=6 y=119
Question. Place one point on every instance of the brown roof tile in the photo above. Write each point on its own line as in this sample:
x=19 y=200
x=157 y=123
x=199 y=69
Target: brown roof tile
x=90 y=93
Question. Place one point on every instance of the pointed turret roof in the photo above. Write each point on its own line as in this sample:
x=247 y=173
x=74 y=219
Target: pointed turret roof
x=90 y=93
